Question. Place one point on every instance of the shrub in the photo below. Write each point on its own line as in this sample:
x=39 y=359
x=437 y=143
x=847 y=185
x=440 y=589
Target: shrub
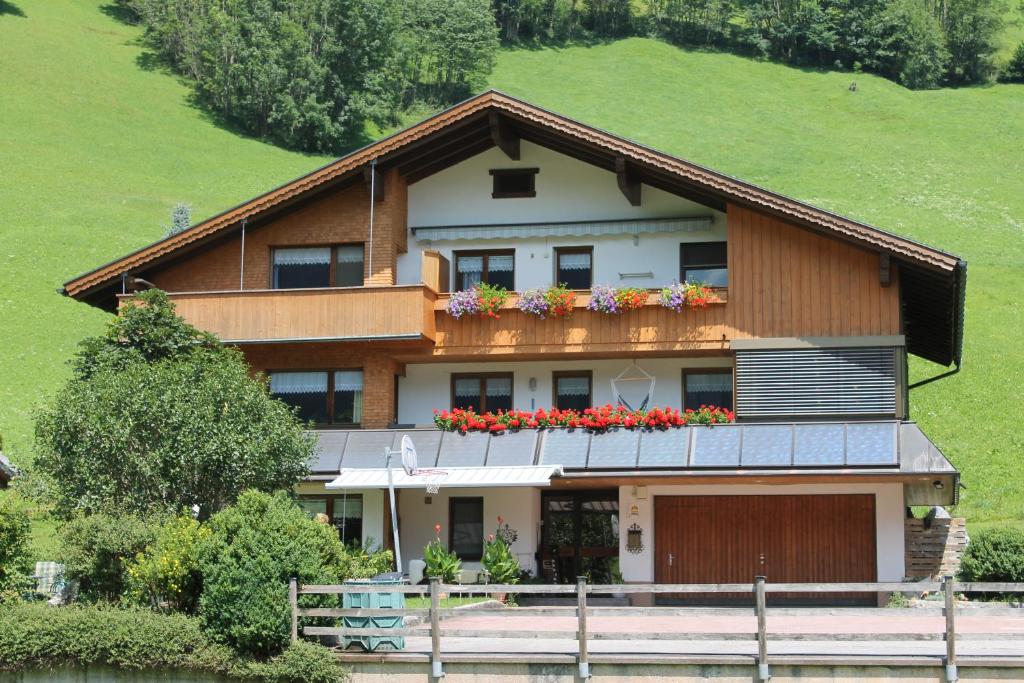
x=994 y=554
x=440 y=562
x=181 y=219
x=254 y=548
x=96 y=550
x=1013 y=72
x=166 y=574
x=500 y=562
x=15 y=534
x=364 y=562
x=37 y=635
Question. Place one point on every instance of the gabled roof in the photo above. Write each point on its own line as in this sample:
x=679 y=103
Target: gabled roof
x=934 y=290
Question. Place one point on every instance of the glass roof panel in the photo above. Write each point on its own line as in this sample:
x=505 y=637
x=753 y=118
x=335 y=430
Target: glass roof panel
x=512 y=449
x=463 y=450
x=767 y=446
x=565 y=447
x=666 y=448
x=871 y=443
x=717 y=446
x=366 y=449
x=615 y=448
x=327 y=456
x=819 y=445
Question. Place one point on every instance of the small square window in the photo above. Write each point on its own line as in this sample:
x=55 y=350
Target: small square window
x=348 y=268
x=574 y=267
x=707 y=388
x=482 y=392
x=514 y=182
x=496 y=268
x=573 y=390
x=705 y=262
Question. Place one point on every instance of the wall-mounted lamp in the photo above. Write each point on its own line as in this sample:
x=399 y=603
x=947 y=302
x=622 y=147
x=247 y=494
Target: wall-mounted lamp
x=635 y=539
x=533 y=384
x=634 y=510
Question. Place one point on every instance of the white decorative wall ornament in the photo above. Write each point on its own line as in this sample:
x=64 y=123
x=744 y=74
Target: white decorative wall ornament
x=633 y=387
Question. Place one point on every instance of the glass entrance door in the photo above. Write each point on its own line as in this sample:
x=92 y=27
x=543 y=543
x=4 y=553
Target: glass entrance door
x=580 y=535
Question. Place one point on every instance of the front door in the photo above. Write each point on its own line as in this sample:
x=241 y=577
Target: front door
x=798 y=539
x=580 y=536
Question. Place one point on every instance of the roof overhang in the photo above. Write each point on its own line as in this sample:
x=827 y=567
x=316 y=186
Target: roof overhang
x=932 y=281
x=454 y=477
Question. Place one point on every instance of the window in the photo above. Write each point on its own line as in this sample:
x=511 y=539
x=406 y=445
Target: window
x=704 y=262
x=493 y=267
x=344 y=512
x=572 y=390
x=514 y=182
x=574 y=267
x=707 y=387
x=466 y=527
x=482 y=392
x=339 y=266
x=322 y=397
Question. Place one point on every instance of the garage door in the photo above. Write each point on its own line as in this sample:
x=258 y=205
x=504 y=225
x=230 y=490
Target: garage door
x=800 y=539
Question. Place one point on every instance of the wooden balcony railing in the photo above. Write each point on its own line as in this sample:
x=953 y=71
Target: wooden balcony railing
x=347 y=313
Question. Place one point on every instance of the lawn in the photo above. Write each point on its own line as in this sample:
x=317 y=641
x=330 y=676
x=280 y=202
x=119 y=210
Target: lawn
x=96 y=147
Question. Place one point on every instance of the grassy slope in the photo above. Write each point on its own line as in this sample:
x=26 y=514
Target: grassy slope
x=945 y=167
x=94 y=150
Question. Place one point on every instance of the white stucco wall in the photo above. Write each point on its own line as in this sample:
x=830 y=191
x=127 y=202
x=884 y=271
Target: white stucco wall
x=889 y=514
x=427 y=386
x=373 y=507
x=518 y=506
x=567 y=190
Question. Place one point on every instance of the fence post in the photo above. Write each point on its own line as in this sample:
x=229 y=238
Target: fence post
x=436 y=669
x=763 y=672
x=947 y=589
x=293 y=601
x=581 y=632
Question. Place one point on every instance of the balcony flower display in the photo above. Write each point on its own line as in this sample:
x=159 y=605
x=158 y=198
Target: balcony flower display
x=611 y=300
x=682 y=295
x=555 y=302
x=598 y=419
x=483 y=299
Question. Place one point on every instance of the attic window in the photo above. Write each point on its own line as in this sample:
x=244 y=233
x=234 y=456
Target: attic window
x=514 y=182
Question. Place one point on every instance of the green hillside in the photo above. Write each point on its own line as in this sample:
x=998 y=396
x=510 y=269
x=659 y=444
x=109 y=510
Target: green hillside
x=96 y=146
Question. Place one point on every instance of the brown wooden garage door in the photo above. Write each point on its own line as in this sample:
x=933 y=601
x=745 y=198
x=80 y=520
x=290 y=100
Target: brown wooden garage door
x=732 y=539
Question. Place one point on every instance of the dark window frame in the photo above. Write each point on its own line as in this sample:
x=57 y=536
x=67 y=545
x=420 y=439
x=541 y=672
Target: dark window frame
x=683 y=266
x=330 y=499
x=486 y=254
x=559 y=251
x=330 y=393
x=483 y=376
x=332 y=266
x=558 y=374
x=709 y=371
x=498 y=173
x=452 y=502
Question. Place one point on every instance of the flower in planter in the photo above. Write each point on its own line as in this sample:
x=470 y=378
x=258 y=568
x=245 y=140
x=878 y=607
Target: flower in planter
x=465 y=302
x=685 y=295
x=602 y=298
x=597 y=420
x=630 y=298
x=560 y=300
x=483 y=299
x=533 y=301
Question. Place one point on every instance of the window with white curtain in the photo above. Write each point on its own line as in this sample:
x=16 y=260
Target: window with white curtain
x=574 y=267
x=322 y=397
x=707 y=387
x=303 y=267
x=348 y=269
x=493 y=267
x=573 y=390
x=482 y=392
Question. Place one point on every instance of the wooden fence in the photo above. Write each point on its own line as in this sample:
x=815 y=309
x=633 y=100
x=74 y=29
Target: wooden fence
x=759 y=590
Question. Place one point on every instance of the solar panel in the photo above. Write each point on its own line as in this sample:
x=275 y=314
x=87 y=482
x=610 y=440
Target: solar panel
x=716 y=446
x=614 y=448
x=512 y=449
x=366 y=449
x=463 y=450
x=767 y=446
x=819 y=445
x=565 y=447
x=871 y=443
x=329 y=447
x=664 y=448
x=426 y=443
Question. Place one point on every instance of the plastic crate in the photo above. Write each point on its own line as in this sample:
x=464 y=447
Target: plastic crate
x=374 y=600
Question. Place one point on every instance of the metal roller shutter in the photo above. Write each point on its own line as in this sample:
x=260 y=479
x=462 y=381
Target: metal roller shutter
x=816 y=382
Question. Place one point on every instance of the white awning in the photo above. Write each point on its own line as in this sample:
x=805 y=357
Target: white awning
x=429 y=233
x=453 y=477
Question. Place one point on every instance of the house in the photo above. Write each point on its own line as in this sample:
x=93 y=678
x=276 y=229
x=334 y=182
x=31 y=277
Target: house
x=337 y=286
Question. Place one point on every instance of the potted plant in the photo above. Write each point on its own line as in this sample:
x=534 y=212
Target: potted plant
x=440 y=562
x=682 y=295
x=500 y=563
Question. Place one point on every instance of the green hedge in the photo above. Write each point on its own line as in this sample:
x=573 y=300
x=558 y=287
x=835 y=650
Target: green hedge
x=994 y=554
x=38 y=635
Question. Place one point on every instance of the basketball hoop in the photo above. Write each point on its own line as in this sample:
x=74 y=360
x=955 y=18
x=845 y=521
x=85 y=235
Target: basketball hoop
x=432 y=478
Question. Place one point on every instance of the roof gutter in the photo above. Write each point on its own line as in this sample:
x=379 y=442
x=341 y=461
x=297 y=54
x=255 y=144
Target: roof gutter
x=960 y=290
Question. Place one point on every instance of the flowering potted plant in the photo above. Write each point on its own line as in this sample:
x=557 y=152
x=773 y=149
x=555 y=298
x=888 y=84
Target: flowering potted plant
x=554 y=301
x=598 y=419
x=483 y=299
x=440 y=562
x=630 y=298
x=611 y=300
x=685 y=294
x=500 y=563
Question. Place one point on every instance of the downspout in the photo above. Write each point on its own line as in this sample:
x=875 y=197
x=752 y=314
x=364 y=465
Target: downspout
x=373 y=195
x=241 y=261
x=960 y=275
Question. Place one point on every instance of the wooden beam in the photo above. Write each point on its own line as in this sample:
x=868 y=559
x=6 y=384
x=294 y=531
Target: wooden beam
x=629 y=181
x=504 y=137
x=884 y=269
x=375 y=179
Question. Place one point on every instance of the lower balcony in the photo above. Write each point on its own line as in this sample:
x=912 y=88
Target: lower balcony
x=388 y=313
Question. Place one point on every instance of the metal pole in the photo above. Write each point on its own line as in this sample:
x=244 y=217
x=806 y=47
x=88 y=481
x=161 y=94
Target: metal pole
x=373 y=199
x=394 y=513
x=436 y=668
x=763 y=673
x=241 y=261
x=947 y=588
x=581 y=633
x=293 y=600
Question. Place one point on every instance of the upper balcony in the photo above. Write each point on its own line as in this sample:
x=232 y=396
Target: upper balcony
x=382 y=313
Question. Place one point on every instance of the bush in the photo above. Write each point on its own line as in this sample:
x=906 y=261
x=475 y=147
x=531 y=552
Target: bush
x=254 y=548
x=96 y=550
x=995 y=554
x=166 y=574
x=364 y=562
x=441 y=563
x=500 y=562
x=15 y=534
x=1014 y=70
x=37 y=635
